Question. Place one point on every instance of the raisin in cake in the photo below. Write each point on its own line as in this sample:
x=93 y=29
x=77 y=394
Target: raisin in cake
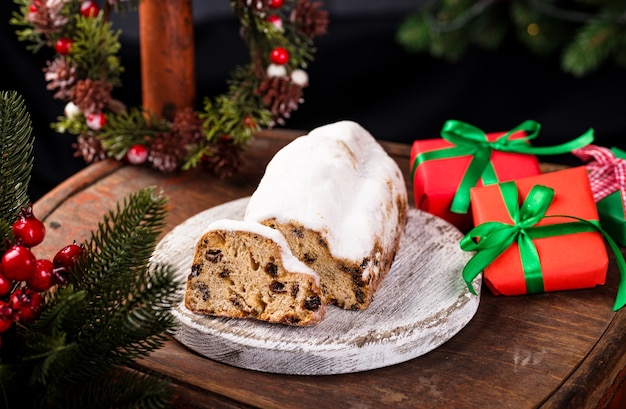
x=341 y=203
x=246 y=270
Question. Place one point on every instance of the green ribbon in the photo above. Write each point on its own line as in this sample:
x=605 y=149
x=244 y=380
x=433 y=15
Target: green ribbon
x=491 y=239
x=470 y=140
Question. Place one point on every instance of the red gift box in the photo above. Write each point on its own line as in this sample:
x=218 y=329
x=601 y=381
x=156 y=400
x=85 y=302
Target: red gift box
x=568 y=261
x=435 y=182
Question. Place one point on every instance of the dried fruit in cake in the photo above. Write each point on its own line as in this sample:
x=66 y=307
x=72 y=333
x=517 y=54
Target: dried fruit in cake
x=246 y=270
x=340 y=201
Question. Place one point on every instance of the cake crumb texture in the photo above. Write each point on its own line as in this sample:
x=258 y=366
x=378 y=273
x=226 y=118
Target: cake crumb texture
x=241 y=274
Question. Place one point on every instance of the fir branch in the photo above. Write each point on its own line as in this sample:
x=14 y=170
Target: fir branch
x=59 y=304
x=116 y=309
x=75 y=125
x=129 y=303
x=591 y=47
x=413 y=33
x=262 y=36
x=196 y=156
x=458 y=16
x=7 y=375
x=5 y=231
x=129 y=128
x=540 y=33
x=95 y=49
x=16 y=161
x=223 y=117
x=125 y=239
x=588 y=33
x=27 y=33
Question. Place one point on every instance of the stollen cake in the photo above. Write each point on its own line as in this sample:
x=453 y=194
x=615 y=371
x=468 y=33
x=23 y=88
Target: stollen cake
x=340 y=201
x=246 y=270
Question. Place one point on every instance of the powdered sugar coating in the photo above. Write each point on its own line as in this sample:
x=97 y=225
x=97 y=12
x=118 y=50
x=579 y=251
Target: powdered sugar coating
x=338 y=175
x=289 y=261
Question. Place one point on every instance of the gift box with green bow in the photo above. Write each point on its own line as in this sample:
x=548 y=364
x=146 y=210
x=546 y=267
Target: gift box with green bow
x=445 y=169
x=539 y=234
x=607 y=176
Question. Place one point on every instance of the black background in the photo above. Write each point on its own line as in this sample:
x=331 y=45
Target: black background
x=359 y=73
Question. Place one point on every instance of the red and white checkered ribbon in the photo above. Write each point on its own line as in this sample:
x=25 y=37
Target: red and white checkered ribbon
x=607 y=173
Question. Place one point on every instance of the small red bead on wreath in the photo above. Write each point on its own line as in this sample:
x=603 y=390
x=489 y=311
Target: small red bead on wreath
x=86 y=68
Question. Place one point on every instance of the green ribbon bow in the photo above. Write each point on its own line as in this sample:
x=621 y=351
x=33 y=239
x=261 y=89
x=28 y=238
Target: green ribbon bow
x=491 y=239
x=470 y=140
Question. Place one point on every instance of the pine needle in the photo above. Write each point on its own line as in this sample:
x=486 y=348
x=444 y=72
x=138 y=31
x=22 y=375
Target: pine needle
x=16 y=161
x=117 y=308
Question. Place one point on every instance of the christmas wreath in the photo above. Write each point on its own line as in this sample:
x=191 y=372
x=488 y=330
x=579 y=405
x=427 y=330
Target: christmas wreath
x=71 y=326
x=86 y=68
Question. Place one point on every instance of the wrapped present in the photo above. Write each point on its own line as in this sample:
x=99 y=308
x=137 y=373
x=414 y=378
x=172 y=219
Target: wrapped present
x=445 y=169
x=607 y=177
x=552 y=242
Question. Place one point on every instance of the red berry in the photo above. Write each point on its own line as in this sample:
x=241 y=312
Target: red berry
x=67 y=256
x=89 y=8
x=96 y=121
x=275 y=4
x=5 y=285
x=18 y=263
x=63 y=45
x=275 y=20
x=279 y=55
x=249 y=122
x=41 y=280
x=6 y=312
x=137 y=154
x=26 y=303
x=5 y=325
x=27 y=229
x=34 y=6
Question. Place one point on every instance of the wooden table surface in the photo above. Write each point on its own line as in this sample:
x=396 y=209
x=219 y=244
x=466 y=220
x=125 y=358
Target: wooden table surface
x=555 y=350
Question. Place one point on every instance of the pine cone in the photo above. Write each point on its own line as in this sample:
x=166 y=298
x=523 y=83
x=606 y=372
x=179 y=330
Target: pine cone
x=166 y=153
x=280 y=95
x=89 y=148
x=309 y=19
x=226 y=158
x=61 y=76
x=187 y=128
x=46 y=16
x=91 y=96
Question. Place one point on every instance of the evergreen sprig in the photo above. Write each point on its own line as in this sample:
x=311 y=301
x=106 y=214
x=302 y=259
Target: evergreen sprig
x=95 y=49
x=593 y=46
x=16 y=162
x=223 y=115
x=587 y=33
x=129 y=127
x=26 y=32
x=115 y=309
x=262 y=35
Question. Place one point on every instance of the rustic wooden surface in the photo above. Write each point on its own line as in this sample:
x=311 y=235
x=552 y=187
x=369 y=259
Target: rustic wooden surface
x=396 y=327
x=556 y=350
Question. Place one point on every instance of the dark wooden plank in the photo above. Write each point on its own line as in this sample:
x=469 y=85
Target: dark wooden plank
x=565 y=349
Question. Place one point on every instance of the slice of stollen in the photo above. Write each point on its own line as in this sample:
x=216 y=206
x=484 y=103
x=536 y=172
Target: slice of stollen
x=246 y=270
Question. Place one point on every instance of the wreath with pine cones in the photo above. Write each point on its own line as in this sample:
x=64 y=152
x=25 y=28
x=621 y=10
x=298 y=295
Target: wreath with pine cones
x=86 y=68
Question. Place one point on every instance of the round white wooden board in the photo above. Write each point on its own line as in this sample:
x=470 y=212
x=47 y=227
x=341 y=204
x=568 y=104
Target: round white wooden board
x=422 y=303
